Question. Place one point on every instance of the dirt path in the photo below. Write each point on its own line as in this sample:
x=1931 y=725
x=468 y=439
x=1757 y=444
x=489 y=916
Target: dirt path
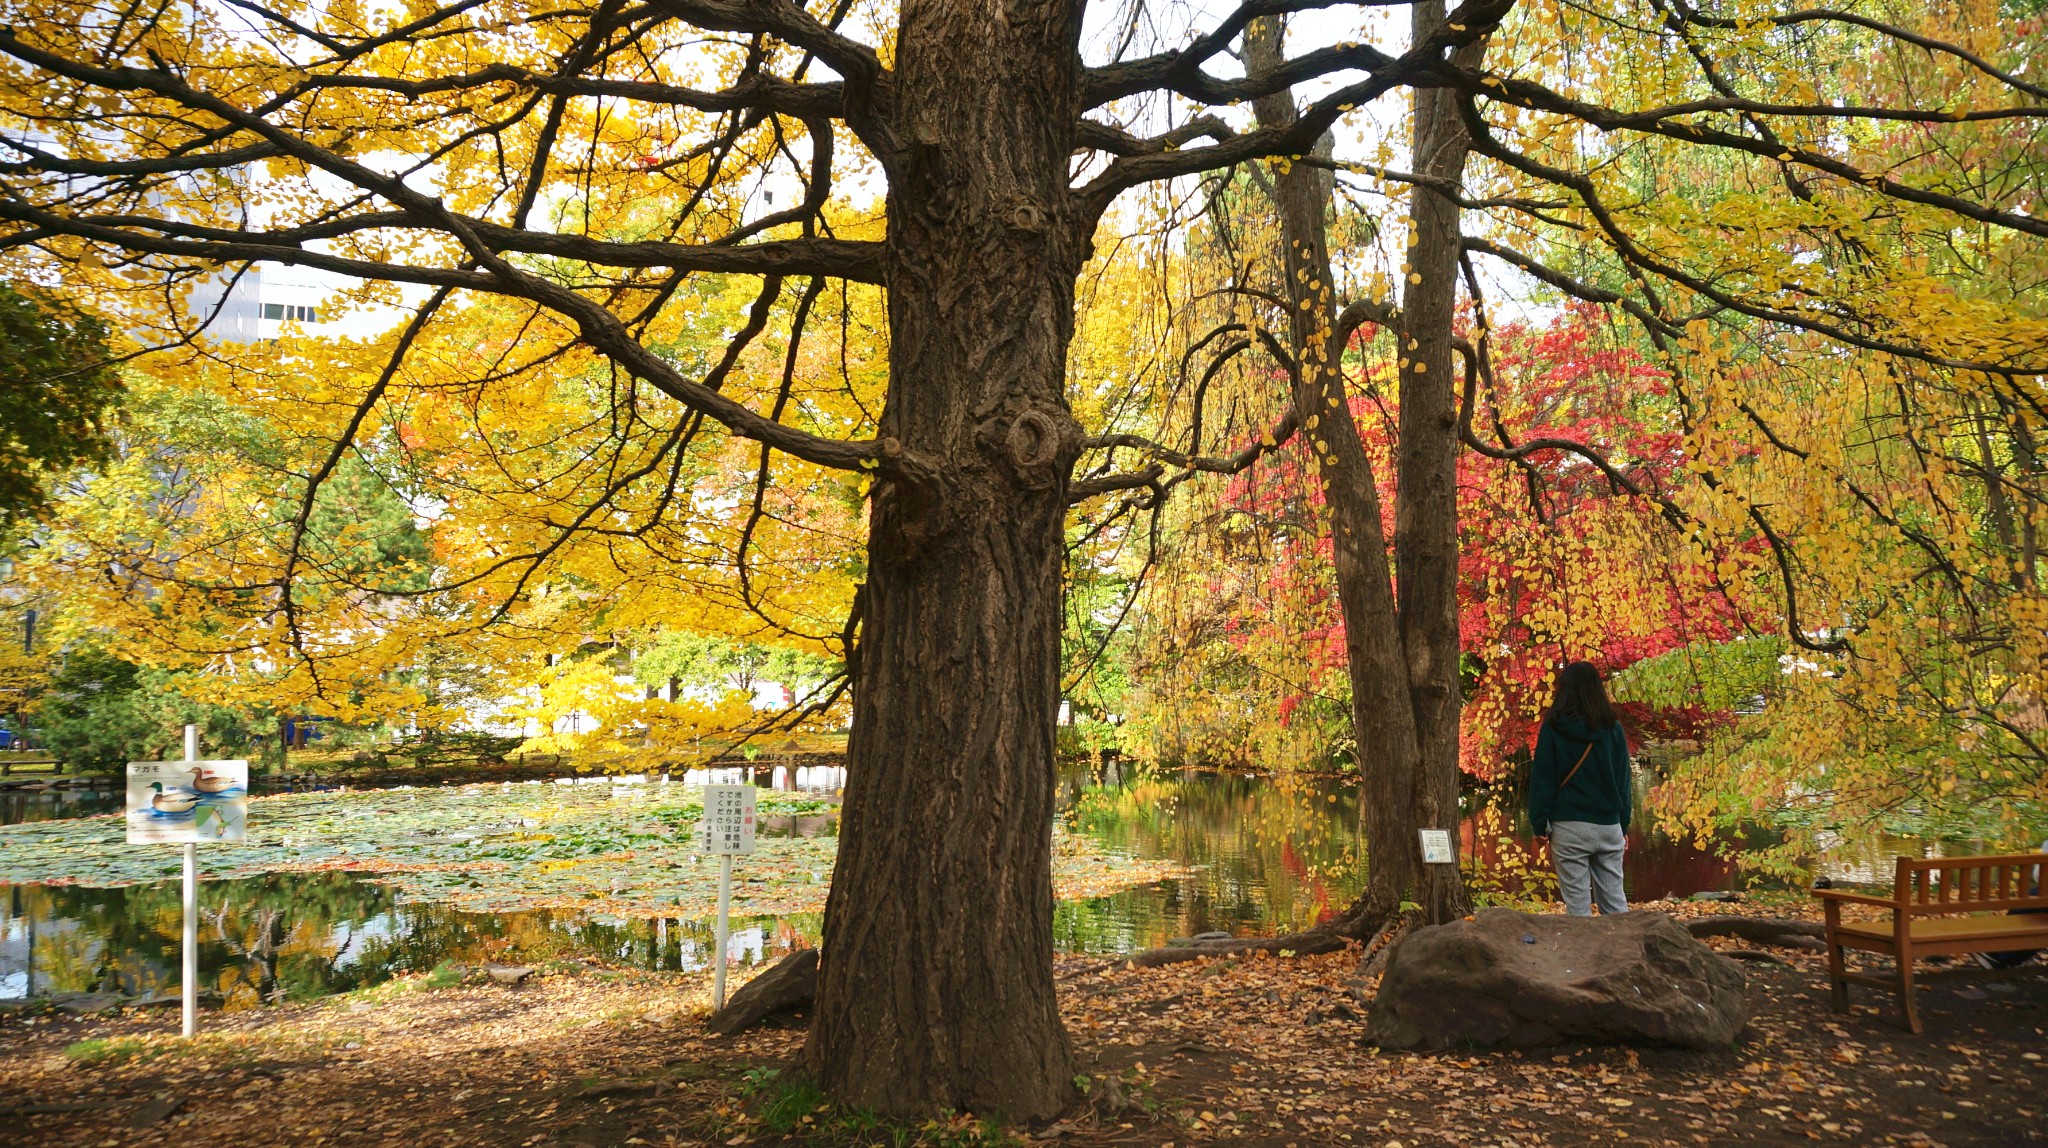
x=1255 y=1052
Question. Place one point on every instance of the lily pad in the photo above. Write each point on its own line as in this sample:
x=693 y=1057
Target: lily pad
x=626 y=851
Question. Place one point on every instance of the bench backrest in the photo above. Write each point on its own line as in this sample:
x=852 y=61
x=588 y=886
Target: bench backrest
x=1971 y=884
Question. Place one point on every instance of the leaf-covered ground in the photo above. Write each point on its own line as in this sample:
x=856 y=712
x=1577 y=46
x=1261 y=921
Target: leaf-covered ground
x=1262 y=1052
x=627 y=850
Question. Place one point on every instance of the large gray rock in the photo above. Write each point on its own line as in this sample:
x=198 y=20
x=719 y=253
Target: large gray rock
x=1508 y=978
x=85 y=1004
x=792 y=983
x=508 y=974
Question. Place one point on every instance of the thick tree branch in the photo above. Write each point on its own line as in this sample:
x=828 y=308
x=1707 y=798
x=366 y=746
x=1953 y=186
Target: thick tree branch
x=1109 y=138
x=1181 y=70
x=1084 y=489
x=785 y=21
x=857 y=260
x=759 y=91
x=1419 y=66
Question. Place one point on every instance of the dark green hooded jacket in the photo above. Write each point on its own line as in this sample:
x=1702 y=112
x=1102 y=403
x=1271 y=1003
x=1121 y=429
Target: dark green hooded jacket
x=1599 y=791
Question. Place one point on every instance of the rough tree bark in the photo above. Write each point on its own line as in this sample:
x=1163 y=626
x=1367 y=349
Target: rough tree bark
x=1403 y=650
x=1382 y=715
x=1426 y=511
x=945 y=839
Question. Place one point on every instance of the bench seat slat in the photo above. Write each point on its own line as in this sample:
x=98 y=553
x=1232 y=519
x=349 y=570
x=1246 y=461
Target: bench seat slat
x=1984 y=905
x=1955 y=928
x=1940 y=905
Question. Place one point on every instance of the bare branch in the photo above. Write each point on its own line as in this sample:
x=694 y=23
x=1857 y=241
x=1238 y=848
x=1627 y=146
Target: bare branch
x=342 y=444
x=1087 y=488
x=760 y=91
x=1659 y=121
x=1190 y=465
x=1181 y=70
x=1632 y=253
x=1420 y=65
x=1116 y=141
x=1687 y=14
x=786 y=21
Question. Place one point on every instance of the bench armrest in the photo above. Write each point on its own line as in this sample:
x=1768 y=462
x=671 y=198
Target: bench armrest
x=1856 y=898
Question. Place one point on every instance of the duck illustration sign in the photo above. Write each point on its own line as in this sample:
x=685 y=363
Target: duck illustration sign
x=172 y=802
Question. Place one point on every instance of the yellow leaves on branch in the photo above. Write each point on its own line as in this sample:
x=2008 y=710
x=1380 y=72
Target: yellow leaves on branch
x=585 y=707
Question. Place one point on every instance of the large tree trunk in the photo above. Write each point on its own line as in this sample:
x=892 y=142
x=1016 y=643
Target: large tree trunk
x=935 y=985
x=1382 y=717
x=1426 y=511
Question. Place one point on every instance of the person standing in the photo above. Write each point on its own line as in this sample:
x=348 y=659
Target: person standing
x=1579 y=793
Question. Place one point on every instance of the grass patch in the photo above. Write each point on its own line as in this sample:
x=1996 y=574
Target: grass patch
x=379 y=994
x=220 y=1048
x=446 y=975
x=115 y=1049
x=782 y=1104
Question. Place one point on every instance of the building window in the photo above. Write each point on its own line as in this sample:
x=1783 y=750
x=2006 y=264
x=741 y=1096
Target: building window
x=291 y=311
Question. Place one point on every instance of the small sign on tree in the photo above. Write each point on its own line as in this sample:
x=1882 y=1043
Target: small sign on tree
x=1436 y=847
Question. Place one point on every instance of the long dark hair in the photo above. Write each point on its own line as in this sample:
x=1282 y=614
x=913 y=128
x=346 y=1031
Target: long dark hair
x=1581 y=694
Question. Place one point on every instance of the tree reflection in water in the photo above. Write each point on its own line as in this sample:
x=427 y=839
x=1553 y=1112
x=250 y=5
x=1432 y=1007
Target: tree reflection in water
x=296 y=936
x=1270 y=855
x=1275 y=855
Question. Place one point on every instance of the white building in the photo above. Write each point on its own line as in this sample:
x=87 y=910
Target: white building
x=271 y=301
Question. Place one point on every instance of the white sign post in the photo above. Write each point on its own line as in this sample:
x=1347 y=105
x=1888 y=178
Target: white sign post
x=1436 y=847
x=184 y=803
x=727 y=829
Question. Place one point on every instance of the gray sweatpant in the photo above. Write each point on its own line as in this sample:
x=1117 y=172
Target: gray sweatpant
x=1588 y=861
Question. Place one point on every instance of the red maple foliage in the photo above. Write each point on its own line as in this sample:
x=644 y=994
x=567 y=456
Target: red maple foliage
x=1556 y=565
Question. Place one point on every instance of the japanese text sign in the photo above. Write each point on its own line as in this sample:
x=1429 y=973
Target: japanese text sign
x=728 y=825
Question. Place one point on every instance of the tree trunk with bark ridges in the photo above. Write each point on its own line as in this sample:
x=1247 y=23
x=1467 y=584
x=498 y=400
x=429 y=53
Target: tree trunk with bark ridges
x=1426 y=512
x=1381 y=712
x=935 y=986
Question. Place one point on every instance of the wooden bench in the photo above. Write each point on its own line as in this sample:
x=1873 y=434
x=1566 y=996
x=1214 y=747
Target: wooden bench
x=1951 y=905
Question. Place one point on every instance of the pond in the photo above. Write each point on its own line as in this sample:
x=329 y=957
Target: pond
x=296 y=936
x=18 y=806
x=1276 y=855
x=530 y=873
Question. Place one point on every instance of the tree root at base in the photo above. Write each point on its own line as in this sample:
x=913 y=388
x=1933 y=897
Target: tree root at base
x=1776 y=932
x=1376 y=931
x=1378 y=940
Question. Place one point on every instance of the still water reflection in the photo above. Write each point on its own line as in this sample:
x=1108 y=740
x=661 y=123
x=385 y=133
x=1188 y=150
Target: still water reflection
x=295 y=936
x=23 y=805
x=1276 y=855
x=1267 y=856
